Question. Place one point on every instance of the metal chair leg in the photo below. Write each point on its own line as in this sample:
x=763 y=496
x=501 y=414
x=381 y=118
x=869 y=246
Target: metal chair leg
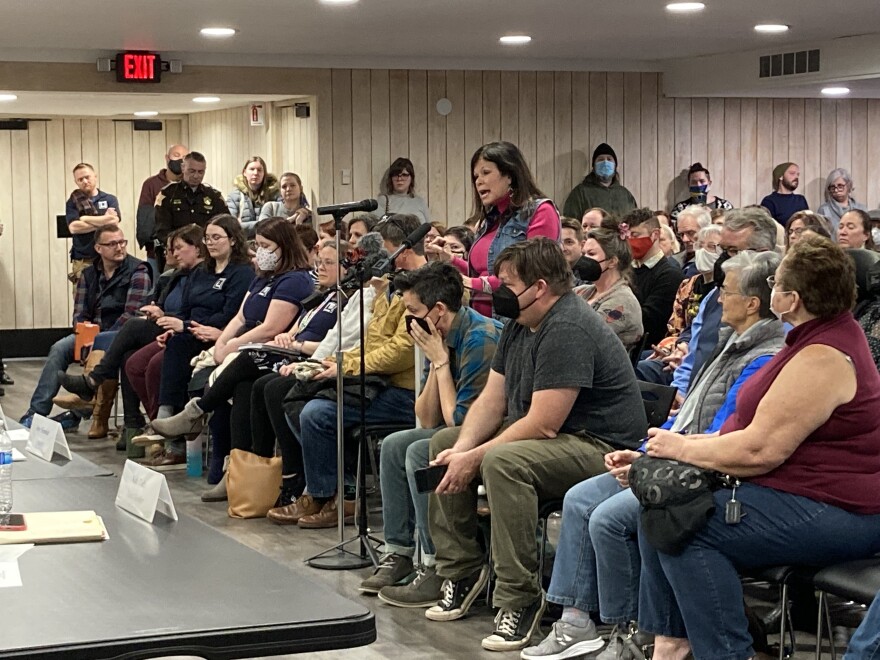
x=785 y=620
x=830 y=630
x=819 y=631
x=542 y=550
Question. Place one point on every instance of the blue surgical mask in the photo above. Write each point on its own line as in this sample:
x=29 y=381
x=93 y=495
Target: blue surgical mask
x=604 y=168
x=698 y=190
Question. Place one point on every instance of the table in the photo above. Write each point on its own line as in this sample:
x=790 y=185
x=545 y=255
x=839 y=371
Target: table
x=163 y=589
x=36 y=468
x=58 y=468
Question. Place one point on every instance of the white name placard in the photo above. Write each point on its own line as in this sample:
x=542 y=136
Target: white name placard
x=47 y=438
x=10 y=575
x=144 y=492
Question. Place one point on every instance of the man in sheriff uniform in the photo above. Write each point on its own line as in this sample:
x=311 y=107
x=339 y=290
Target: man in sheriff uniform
x=186 y=201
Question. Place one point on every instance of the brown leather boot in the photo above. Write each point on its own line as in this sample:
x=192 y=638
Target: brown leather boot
x=74 y=402
x=104 y=399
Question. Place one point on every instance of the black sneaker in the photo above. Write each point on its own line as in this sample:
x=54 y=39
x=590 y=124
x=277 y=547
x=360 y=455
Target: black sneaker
x=458 y=596
x=5 y=378
x=514 y=628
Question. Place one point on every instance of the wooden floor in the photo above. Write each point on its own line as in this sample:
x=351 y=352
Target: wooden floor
x=402 y=633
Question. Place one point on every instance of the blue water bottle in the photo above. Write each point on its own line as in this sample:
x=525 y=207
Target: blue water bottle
x=194 y=457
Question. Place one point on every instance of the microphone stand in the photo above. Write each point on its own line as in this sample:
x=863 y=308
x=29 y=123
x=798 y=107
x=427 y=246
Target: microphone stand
x=338 y=558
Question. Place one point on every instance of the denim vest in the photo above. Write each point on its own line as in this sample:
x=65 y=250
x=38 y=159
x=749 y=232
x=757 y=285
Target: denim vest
x=513 y=231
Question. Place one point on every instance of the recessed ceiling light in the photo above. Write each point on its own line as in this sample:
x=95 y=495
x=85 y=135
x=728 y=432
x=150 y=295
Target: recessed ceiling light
x=515 y=39
x=8 y=97
x=206 y=99
x=217 y=32
x=145 y=113
x=835 y=91
x=338 y=2
x=771 y=28
x=684 y=7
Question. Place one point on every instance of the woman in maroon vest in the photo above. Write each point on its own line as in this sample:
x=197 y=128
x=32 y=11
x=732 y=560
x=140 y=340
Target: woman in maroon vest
x=804 y=440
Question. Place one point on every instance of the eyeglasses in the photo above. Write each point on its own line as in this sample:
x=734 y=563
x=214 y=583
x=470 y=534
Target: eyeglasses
x=328 y=263
x=724 y=292
x=401 y=175
x=796 y=231
x=115 y=244
x=837 y=186
x=771 y=281
x=214 y=238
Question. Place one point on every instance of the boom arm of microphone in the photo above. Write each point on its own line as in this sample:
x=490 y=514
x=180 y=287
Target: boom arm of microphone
x=349 y=207
x=387 y=265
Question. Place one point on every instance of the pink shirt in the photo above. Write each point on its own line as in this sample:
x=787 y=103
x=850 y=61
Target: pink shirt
x=545 y=222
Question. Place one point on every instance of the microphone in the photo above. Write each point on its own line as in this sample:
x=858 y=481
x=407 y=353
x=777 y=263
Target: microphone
x=373 y=252
x=349 y=207
x=387 y=265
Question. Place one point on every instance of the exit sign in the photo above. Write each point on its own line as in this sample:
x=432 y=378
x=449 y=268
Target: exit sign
x=139 y=67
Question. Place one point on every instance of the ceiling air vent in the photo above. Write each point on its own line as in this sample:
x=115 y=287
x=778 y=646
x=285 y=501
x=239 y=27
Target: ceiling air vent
x=788 y=64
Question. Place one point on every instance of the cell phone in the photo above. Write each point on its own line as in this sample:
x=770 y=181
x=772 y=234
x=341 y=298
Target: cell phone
x=428 y=478
x=13 y=522
x=662 y=350
x=423 y=324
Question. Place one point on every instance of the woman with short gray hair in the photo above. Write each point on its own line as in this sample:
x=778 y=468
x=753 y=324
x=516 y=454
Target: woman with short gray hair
x=838 y=197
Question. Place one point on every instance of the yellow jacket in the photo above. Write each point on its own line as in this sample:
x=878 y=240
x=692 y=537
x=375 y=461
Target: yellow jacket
x=388 y=346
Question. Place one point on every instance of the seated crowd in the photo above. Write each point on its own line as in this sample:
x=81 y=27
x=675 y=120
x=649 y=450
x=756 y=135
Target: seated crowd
x=538 y=332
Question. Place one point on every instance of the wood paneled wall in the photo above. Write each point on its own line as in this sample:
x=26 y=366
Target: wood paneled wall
x=37 y=164
x=558 y=118
x=361 y=119
x=227 y=139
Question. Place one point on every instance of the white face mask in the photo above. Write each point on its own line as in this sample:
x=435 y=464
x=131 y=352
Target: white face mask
x=778 y=315
x=875 y=234
x=267 y=260
x=705 y=260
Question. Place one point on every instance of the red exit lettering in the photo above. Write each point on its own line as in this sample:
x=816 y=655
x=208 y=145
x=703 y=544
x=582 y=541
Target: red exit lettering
x=139 y=66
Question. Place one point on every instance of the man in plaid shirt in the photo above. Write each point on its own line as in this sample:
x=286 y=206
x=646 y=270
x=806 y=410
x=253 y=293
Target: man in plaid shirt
x=108 y=293
x=458 y=344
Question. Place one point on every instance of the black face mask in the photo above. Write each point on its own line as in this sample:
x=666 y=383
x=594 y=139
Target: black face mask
x=418 y=320
x=588 y=269
x=506 y=303
x=718 y=274
x=176 y=166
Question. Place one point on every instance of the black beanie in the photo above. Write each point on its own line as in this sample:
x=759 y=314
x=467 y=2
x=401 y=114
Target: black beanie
x=604 y=149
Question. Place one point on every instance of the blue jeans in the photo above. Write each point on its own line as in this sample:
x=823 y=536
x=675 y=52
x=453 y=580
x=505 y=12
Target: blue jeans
x=651 y=371
x=698 y=594
x=404 y=508
x=597 y=563
x=865 y=643
x=60 y=357
x=317 y=423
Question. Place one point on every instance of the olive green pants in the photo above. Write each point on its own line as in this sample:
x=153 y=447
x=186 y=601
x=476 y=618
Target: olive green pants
x=517 y=476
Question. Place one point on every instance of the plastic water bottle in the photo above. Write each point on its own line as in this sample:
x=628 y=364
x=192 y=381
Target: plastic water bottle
x=5 y=471
x=194 y=457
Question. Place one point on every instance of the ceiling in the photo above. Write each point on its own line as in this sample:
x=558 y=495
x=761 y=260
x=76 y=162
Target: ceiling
x=609 y=35
x=403 y=31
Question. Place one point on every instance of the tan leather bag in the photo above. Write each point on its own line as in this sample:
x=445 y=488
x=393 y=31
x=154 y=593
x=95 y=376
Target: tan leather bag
x=252 y=484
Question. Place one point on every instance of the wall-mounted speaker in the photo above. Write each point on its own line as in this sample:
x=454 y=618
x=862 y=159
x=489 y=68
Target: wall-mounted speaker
x=13 y=124
x=302 y=110
x=147 y=125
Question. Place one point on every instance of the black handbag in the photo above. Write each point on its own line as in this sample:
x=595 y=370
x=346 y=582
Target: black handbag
x=676 y=500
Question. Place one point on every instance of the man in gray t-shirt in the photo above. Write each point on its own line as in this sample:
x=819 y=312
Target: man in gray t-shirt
x=561 y=393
